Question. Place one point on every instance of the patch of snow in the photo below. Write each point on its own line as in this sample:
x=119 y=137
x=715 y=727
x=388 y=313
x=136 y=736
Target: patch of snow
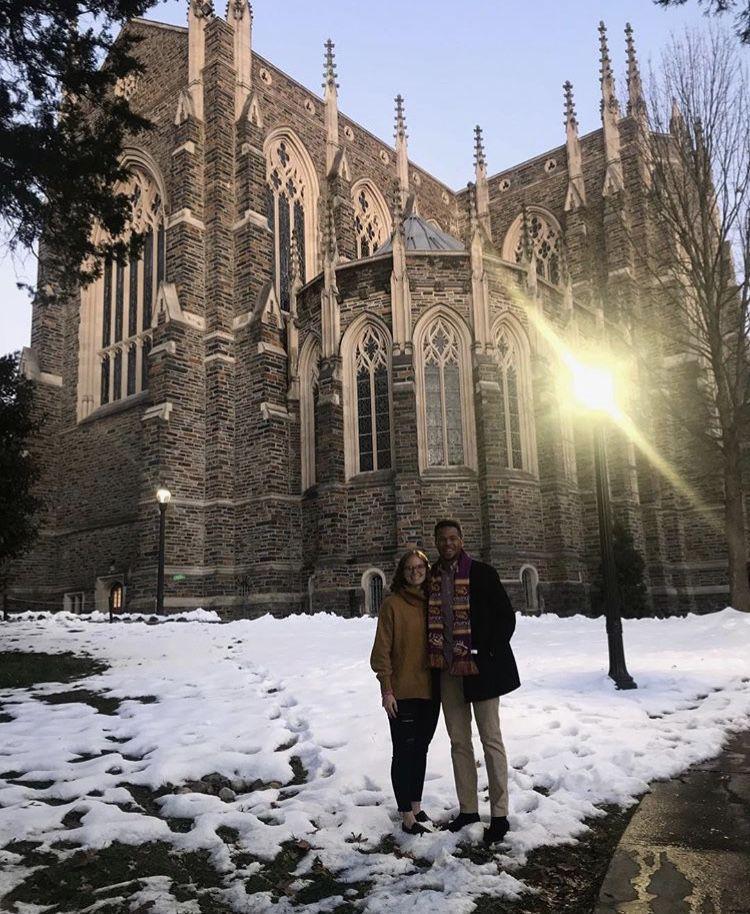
x=242 y=699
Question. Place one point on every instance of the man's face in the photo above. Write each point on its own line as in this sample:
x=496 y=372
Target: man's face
x=449 y=543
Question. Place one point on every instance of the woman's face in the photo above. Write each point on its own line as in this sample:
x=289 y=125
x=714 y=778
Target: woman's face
x=415 y=570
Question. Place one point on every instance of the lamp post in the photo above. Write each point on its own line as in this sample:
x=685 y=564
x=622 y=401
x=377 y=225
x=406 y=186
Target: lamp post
x=593 y=387
x=163 y=497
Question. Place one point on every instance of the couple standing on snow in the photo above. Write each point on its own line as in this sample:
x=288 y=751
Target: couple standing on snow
x=443 y=637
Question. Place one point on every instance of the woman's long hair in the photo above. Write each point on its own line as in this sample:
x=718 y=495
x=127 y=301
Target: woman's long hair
x=399 y=578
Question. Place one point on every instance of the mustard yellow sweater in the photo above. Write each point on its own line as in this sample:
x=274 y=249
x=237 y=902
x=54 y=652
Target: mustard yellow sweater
x=399 y=654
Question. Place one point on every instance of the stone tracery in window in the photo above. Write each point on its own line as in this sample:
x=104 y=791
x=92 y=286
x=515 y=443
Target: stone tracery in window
x=442 y=384
x=290 y=206
x=309 y=425
x=544 y=237
x=371 y=219
x=373 y=419
x=517 y=439
x=124 y=298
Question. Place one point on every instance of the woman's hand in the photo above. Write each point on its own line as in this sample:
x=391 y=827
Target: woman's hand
x=390 y=704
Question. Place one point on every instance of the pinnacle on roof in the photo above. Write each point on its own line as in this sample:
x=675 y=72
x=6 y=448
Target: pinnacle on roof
x=604 y=59
x=202 y=9
x=570 y=108
x=329 y=68
x=400 y=117
x=479 y=158
x=609 y=99
x=471 y=189
x=676 y=119
x=236 y=9
x=636 y=103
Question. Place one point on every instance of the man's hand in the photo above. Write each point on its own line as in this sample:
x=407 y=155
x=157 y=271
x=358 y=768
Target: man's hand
x=390 y=704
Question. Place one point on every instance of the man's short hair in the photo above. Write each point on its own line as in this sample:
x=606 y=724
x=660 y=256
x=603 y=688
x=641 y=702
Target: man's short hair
x=447 y=522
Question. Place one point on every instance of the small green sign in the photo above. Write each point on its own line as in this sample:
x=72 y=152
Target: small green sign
x=178 y=577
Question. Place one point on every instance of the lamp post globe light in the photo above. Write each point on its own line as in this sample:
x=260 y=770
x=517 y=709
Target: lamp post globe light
x=593 y=387
x=163 y=497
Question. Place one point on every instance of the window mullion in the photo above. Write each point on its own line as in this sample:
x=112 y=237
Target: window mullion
x=508 y=419
x=373 y=419
x=444 y=412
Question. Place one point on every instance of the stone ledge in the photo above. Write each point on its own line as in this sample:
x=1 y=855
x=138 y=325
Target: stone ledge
x=185 y=216
x=158 y=411
x=274 y=411
x=168 y=347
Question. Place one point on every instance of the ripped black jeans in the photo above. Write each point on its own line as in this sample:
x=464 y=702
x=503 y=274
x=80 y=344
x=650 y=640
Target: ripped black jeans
x=411 y=733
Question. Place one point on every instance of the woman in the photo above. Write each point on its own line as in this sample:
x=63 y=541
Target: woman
x=399 y=658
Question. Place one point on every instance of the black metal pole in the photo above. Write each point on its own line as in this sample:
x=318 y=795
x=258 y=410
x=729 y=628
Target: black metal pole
x=160 y=577
x=612 y=599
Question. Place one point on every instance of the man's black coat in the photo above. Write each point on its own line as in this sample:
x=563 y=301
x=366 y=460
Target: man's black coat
x=492 y=624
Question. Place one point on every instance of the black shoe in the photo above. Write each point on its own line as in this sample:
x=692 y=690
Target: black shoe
x=497 y=831
x=462 y=819
x=422 y=816
x=415 y=829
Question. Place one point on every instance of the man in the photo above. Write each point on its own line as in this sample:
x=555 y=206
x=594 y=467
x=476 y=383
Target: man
x=470 y=623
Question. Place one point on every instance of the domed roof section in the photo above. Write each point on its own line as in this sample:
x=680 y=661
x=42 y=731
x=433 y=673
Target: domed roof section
x=421 y=235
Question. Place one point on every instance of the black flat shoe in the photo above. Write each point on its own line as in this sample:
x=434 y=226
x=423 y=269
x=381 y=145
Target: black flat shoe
x=497 y=831
x=461 y=821
x=422 y=816
x=415 y=829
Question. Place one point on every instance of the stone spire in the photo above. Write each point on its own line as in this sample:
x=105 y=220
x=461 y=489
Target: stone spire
x=199 y=11
x=400 y=291
x=676 y=120
x=529 y=255
x=240 y=18
x=636 y=100
x=330 y=96
x=292 y=323
x=482 y=188
x=576 y=196
x=613 y=179
x=330 y=314
x=480 y=295
x=402 y=157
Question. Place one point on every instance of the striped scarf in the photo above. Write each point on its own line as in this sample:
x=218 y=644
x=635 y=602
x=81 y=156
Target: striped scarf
x=462 y=664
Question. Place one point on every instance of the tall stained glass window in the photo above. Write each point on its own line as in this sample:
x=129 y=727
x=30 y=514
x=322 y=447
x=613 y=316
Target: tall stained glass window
x=442 y=385
x=515 y=428
x=127 y=294
x=371 y=222
x=287 y=203
x=373 y=401
x=309 y=405
x=544 y=237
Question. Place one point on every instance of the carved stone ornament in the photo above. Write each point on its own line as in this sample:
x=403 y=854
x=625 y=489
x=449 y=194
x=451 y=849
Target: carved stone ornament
x=202 y=9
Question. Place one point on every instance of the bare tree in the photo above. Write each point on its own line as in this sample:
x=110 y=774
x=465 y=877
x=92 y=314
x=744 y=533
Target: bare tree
x=698 y=153
x=718 y=7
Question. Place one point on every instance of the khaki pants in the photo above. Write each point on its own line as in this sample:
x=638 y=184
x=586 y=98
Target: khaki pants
x=457 y=715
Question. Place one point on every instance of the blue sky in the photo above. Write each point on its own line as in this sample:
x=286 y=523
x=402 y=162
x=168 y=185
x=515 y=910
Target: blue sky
x=499 y=63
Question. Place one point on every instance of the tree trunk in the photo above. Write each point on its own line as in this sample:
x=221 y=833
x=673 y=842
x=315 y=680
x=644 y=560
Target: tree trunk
x=739 y=588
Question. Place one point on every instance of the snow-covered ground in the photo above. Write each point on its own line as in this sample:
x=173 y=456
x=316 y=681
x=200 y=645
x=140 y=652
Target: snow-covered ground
x=241 y=699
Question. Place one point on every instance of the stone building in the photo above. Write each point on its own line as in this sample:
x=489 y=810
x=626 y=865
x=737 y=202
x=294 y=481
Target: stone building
x=323 y=349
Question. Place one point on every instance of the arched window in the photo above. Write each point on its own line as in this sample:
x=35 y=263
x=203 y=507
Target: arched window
x=441 y=366
x=309 y=388
x=541 y=233
x=291 y=201
x=366 y=355
x=445 y=405
x=373 y=584
x=530 y=584
x=116 y=311
x=372 y=222
x=517 y=438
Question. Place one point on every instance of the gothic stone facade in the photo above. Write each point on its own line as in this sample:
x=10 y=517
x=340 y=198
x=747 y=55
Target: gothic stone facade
x=324 y=349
